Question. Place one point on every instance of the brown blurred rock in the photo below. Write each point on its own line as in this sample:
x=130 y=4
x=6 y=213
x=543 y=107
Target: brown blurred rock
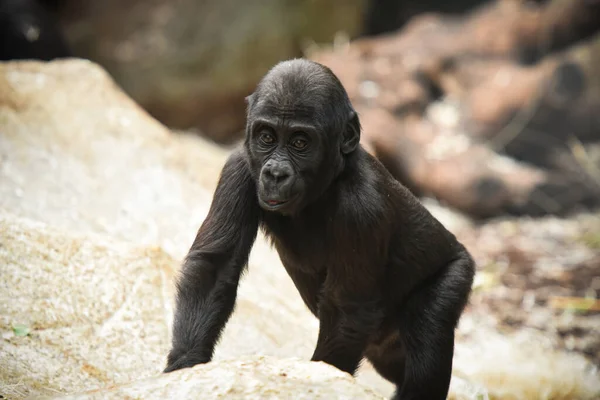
x=389 y=15
x=190 y=63
x=527 y=30
x=488 y=106
x=558 y=97
x=545 y=115
x=516 y=29
x=464 y=174
x=411 y=66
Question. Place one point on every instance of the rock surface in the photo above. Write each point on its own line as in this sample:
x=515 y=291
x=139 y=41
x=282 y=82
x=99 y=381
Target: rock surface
x=100 y=203
x=95 y=312
x=76 y=152
x=247 y=378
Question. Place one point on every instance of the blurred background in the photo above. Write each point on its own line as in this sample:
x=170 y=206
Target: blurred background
x=447 y=91
x=488 y=110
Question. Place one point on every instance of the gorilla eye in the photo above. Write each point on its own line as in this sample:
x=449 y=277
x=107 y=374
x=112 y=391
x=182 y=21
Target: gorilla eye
x=267 y=138
x=299 y=144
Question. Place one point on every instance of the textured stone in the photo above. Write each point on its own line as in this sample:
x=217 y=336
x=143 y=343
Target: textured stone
x=99 y=203
x=256 y=377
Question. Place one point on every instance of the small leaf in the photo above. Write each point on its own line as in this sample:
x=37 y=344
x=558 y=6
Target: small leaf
x=575 y=303
x=591 y=240
x=21 y=330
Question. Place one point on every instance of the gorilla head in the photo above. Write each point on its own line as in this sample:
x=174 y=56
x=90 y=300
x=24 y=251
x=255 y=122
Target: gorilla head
x=300 y=127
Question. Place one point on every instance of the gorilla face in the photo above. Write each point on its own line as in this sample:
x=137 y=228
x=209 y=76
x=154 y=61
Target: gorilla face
x=300 y=124
x=287 y=153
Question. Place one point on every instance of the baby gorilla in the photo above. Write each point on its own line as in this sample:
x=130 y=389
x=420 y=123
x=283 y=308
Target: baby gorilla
x=385 y=279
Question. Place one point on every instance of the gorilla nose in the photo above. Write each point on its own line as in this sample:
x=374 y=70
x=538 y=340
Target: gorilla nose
x=278 y=172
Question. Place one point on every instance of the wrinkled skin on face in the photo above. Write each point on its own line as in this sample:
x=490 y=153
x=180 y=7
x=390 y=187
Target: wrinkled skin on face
x=300 y=125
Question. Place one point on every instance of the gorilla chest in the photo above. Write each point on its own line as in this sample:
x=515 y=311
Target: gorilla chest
x=309 y=247
x=310 y=255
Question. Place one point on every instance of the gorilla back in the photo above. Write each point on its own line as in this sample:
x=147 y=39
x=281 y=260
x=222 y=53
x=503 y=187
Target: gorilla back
x=385 y=279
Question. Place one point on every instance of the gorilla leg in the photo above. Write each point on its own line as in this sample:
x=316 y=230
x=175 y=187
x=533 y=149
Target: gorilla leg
x=388 y=357
x=427 y=322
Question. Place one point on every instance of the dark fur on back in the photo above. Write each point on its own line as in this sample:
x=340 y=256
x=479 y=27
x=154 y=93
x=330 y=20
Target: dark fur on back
x=387 y=281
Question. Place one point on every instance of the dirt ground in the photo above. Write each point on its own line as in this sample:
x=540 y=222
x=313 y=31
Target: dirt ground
x=542 y=274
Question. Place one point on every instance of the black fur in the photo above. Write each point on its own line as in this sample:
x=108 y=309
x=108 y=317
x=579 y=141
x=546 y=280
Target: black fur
x=387 y=281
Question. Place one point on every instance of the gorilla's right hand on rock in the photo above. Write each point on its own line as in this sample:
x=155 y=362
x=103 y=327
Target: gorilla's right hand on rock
x=179 y=359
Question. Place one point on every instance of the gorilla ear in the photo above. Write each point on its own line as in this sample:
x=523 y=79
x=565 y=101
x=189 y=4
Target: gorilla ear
x=351 y=134
x=249 y=100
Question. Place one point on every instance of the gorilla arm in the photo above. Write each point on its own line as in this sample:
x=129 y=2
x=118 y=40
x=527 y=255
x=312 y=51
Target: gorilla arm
x=207 y=287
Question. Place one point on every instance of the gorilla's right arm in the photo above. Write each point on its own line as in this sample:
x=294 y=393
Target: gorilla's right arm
x=207 y=287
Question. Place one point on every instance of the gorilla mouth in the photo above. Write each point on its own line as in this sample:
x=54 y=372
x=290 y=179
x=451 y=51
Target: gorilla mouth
x=276 y=202
x=273 y=205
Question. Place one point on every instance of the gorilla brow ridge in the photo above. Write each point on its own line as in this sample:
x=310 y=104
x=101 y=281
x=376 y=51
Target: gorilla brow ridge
x=306 y=86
